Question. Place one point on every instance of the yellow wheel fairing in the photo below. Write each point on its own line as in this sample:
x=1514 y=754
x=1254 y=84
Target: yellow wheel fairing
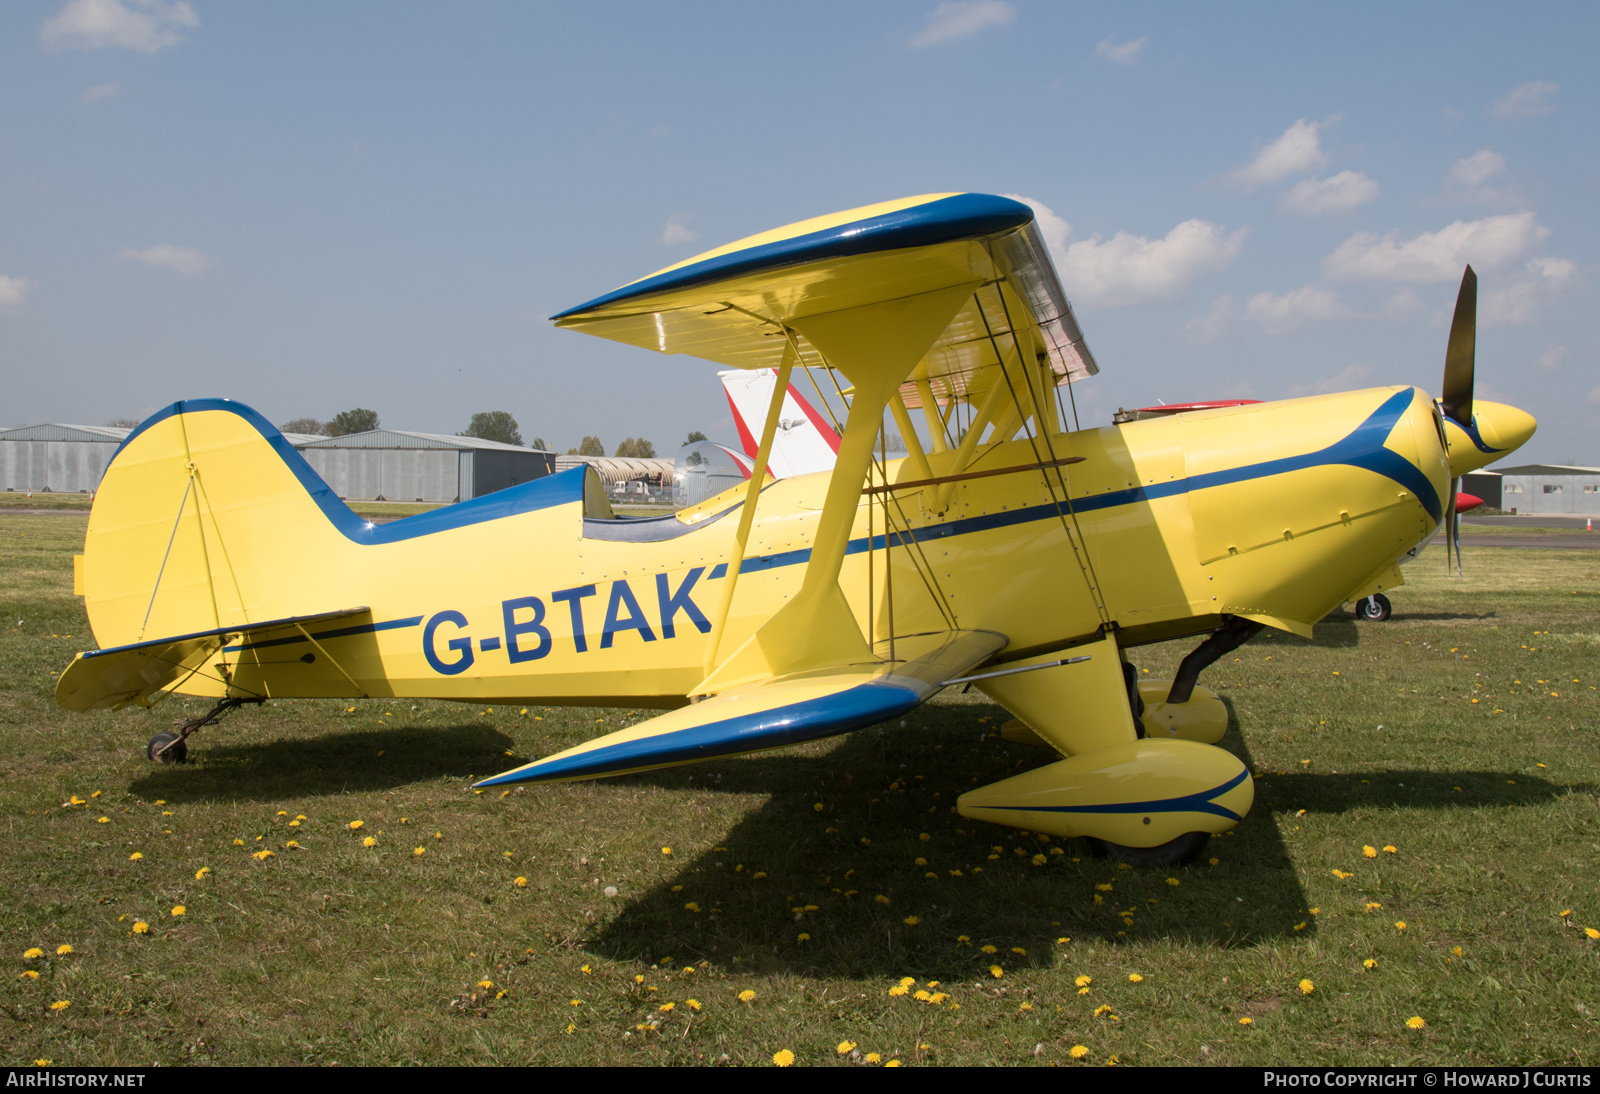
x=1142 y=794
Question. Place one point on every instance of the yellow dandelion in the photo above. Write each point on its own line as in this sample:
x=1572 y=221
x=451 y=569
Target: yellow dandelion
x=141 y=927
x=1389 y=848
x=1591 y=932
x=1173 y=881
x=238 y=843
x=32 y=952
x=692 y=906
x=1370 y=963
x=1369 y=851
x=911 y=921
x=1078 y=1052
x=1247 y=1021
x=996 y=971
x=1084 y=981
x=1307 y=987
x=61 y=1004
x=1102 y=1010
x=419 y=850
x=202 y=872
x=1399 y=924
x=803 y=937
x=666 y=850
x=667 y=1008
x=136 y=856
x=27 y=974
x=1019 y=950
x=747 y=996
x=1134 y=978
x=923 y=995
x=179 y=909
x=872 y=1057
x=296 y=843
x=845 y=1048
x=103 y=820
x=986 y=949
x=899 y=990
x=692 y=1004
x=880 y=899
x=1342 y=874
x=42 y=1062
x=369 y=841
x=1374 y=906
x=1415 y=1022
x=355 y=824
x=262 y=856
x=783 y=1057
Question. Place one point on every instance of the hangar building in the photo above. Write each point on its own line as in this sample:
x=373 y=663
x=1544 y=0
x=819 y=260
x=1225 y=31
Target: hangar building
x=56 y=459
x=399 y=465
x=1547 y=488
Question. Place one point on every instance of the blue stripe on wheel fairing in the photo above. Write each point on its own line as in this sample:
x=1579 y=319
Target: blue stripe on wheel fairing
x=1200 y=802
x=860 y=706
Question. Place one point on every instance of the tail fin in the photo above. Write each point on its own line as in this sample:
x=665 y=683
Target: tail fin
x=804 y=442
x=206 y=518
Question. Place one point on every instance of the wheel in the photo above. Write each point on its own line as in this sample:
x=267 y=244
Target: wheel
x=1375 y=608
x=175 y=754
x=1178 y=852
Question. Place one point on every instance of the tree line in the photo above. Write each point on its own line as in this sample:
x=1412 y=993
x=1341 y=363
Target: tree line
x=489 y=425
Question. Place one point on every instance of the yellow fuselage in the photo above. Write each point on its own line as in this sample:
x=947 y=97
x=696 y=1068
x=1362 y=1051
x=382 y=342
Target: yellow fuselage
x=1277 y=512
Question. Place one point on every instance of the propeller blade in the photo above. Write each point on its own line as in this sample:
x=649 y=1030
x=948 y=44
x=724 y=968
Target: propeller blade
x=1459 y=354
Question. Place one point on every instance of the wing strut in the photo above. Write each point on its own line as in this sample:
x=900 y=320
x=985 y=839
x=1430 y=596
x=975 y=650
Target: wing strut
x=769 y=430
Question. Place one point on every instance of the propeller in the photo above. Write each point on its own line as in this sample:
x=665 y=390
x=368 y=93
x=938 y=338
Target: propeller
x=1459 y=357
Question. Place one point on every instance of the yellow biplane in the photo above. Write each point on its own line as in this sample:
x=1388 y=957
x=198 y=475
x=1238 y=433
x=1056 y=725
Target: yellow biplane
x=1012 y=551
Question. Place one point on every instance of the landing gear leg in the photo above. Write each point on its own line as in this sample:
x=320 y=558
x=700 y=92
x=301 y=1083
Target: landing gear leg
x=1235 y=633
x=172 y=748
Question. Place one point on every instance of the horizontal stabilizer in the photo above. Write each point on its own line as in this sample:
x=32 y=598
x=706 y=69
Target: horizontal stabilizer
x=772 y=713
x=113 y=678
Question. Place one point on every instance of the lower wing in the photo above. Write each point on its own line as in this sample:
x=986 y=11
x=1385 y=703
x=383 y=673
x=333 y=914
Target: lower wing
x=772 y=713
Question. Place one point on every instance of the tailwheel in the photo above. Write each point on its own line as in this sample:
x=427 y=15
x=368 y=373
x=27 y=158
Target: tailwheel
x=1375 y=607
x=167 y=748
x=1176 y=852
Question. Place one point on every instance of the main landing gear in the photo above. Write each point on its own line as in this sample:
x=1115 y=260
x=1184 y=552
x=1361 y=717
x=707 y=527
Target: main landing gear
x=171 y=748
x=1175 y=852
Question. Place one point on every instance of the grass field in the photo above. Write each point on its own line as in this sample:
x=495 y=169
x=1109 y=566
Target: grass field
x=231 y=911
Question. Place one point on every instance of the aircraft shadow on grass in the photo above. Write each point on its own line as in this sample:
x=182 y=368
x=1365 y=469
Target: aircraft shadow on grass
x=332 y=764
x=880 y=791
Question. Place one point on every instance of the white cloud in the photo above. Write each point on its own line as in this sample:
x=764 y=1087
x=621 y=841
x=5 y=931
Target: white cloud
x=1465 y=181
x=1297 y=152
x=1130 y=269
x=1527 y=101
x=166 y=256
x=1321 y=197
x=1435 y=256
x=1402 y=306
x=955 y=19
x=1051 y=227
x=1125 y=54
x=146 y=26
x=101 y=91
x=677 y=231
x=1520 y=298
x=1351 y=377
x=1550 y=360
x=1201 y=329
x=1309 y=303
x=13 y=290
x=1476 y=169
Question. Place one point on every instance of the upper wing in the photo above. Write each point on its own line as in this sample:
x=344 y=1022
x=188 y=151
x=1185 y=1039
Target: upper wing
x=134 y=673
x=770 y=714
x=726 y=305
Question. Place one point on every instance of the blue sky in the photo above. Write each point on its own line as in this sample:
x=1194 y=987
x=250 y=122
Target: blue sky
x=310 y=207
